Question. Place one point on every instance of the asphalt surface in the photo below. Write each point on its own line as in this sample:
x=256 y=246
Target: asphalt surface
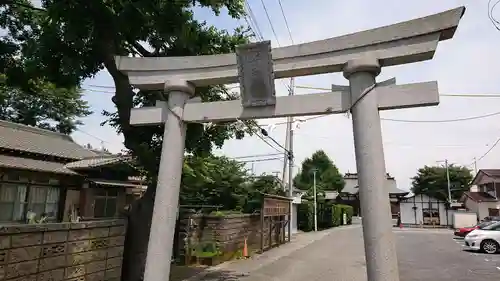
x=338 y=255
x=436 y=255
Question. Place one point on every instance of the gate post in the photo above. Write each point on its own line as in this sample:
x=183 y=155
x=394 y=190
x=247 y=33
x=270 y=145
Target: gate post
x=380 y=249
x=166 y=202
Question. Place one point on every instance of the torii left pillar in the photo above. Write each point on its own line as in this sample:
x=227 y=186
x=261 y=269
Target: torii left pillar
x=169 y=181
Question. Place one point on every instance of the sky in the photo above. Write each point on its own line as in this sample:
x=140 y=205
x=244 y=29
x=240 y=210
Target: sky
x=462 y=65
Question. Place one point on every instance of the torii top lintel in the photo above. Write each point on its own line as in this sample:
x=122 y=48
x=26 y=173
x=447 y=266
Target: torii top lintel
x=401 y=43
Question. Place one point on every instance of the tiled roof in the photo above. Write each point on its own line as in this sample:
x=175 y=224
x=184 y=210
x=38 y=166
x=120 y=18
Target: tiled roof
x=30 y=139
x=351 y=186
x=480 y=196
x=34 y=165
x=97 y=162
x=491 y=172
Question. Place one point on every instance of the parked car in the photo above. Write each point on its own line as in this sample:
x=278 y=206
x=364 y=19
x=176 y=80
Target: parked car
x=486 y=239
x=491 y=218
x=463 y=231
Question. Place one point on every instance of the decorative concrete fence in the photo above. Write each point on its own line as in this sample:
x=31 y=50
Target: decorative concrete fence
x=62 y=251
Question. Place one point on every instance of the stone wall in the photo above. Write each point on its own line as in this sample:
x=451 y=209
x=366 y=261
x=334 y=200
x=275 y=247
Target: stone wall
x=228 y=232
x=62 y=251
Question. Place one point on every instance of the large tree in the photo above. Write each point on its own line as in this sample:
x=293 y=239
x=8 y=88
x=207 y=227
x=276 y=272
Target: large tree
x=432 y=181
x=26 y=96
x=69 y=41
x=328 y=176
x=219 y=181
x=41 y=104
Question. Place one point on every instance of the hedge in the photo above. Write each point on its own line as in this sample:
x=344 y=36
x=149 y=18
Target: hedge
x=329 y=215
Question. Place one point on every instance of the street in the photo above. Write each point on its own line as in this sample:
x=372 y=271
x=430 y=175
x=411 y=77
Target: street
x=338 y=255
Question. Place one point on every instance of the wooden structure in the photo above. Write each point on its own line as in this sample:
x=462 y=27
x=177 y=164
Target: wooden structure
x=47 y=172
x=276 y=212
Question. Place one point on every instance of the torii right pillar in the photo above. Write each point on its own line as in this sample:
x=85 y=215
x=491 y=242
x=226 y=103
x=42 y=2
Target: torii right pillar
x=380 y=248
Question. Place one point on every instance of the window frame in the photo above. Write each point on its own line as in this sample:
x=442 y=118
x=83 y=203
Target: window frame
x=106 y=197
x=29 y=182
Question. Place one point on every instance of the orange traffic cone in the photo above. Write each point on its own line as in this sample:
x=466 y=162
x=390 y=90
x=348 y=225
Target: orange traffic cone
x=245 y=249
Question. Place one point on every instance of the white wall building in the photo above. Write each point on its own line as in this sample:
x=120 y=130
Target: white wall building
x=425 y=210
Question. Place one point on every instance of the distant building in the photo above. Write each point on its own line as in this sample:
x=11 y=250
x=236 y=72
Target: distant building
x=425 y=210
x=484 y=194
x=350 y=193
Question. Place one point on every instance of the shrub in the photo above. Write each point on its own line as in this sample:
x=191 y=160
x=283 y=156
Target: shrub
x=225 y=213
x=305 y=216
x=329 y=215
x=340 y=210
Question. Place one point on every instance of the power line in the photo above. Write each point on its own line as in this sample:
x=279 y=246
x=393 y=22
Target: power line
x=286 y=21
x=410 y=121
x=259 y=160
x=256 y=155
x=93 y=136
x=458 y=146
x=102 y=86
x=441 y=95
x=443 y=121
x=491 y=8
x=270 y=22
x=253 y=19
x=488 y=151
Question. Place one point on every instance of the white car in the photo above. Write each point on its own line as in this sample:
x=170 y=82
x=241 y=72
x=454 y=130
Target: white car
x=486 y=239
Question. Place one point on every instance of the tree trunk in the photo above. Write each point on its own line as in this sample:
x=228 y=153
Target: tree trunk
x=141 y=211
x=137 y=237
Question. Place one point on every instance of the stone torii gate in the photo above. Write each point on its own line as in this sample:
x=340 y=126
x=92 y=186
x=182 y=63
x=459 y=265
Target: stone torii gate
x=359 y=56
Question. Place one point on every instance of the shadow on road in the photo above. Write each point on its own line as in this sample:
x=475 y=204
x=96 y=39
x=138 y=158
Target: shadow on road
x=198 y=273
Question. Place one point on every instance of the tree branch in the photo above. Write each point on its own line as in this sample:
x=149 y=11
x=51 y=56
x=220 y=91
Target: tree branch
x=22 y=5
x=140 y=49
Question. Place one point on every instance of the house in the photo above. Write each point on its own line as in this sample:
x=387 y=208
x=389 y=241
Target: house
x=424 y=210
x=350 y=193
x=47 y=172
x=484 y=198
x=297 y=200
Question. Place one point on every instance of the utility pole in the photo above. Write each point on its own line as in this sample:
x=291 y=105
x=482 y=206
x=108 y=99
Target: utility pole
x=291 y=159
x=448 y=180
x=315 y=201
x=448 y=183
x=475 y=165
x=284 y=175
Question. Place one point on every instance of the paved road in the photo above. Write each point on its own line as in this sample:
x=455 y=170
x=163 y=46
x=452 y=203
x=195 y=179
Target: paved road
x=338 y=255
x=435 y=255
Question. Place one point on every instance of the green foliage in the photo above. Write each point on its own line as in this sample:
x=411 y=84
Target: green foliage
x=41 y=104
x=336 y=215
x=224 y=213
x=432 y=181
x=305 y=216
x=219 y=181
x=340 y=210
x=206 y=249
x=329 y=215
x=328 y=176
x=69 y=41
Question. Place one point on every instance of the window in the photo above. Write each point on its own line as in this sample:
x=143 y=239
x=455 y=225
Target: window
x=12 y=202
x=494 y=226
x=105 y=202
x=43 y=199
x=493 y=212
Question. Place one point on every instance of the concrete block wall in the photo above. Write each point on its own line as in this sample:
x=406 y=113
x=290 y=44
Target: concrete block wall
x=228 y=232
x=62 y=251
